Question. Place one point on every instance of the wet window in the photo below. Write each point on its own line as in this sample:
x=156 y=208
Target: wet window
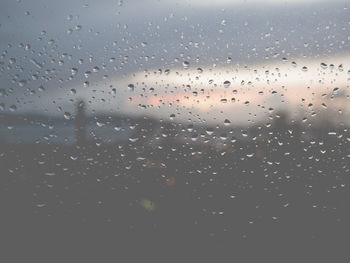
x=169 y=130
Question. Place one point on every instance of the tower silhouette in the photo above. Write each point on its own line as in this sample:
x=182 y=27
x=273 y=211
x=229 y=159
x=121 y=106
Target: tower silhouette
x=80 y=123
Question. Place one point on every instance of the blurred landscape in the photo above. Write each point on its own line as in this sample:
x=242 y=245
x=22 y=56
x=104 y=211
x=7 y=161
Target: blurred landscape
x=140 y=181
x=174 y=131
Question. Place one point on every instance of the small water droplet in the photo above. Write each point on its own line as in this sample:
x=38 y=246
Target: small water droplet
x=227 y=84
x=12 y=60
x=209 y=131
x=100 y=124
x=74 y=71
x=67 y=115
x=324 y=65
x=131 y=87
x=186 y=64
x=133 y=139
x=13 y=108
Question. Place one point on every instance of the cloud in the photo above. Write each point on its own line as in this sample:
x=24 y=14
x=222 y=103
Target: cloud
x=227 y=3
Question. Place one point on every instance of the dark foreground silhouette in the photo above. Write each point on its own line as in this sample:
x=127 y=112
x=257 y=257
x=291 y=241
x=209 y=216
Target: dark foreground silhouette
x=281 y=195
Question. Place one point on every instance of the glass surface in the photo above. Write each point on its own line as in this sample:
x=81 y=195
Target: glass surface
x=174 y=131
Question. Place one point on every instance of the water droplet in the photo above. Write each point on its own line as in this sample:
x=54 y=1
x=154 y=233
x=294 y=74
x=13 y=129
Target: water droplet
x=227 y=122
x=100 y=124
x=87 y=74
x=244 y=133
x=227 y=84
x=190 y=128
x=131 y=87
x=13 y=108
x=223 y=136
x=209 y=131
x=194 y=137
x=67 y=115
x=74 y=71
x=133 y=139
x=186 y=64
x=22 y=82
x=324 y=65
x=12 y=60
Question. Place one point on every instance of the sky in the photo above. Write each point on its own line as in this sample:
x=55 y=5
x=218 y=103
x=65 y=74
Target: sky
x=115 y=55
